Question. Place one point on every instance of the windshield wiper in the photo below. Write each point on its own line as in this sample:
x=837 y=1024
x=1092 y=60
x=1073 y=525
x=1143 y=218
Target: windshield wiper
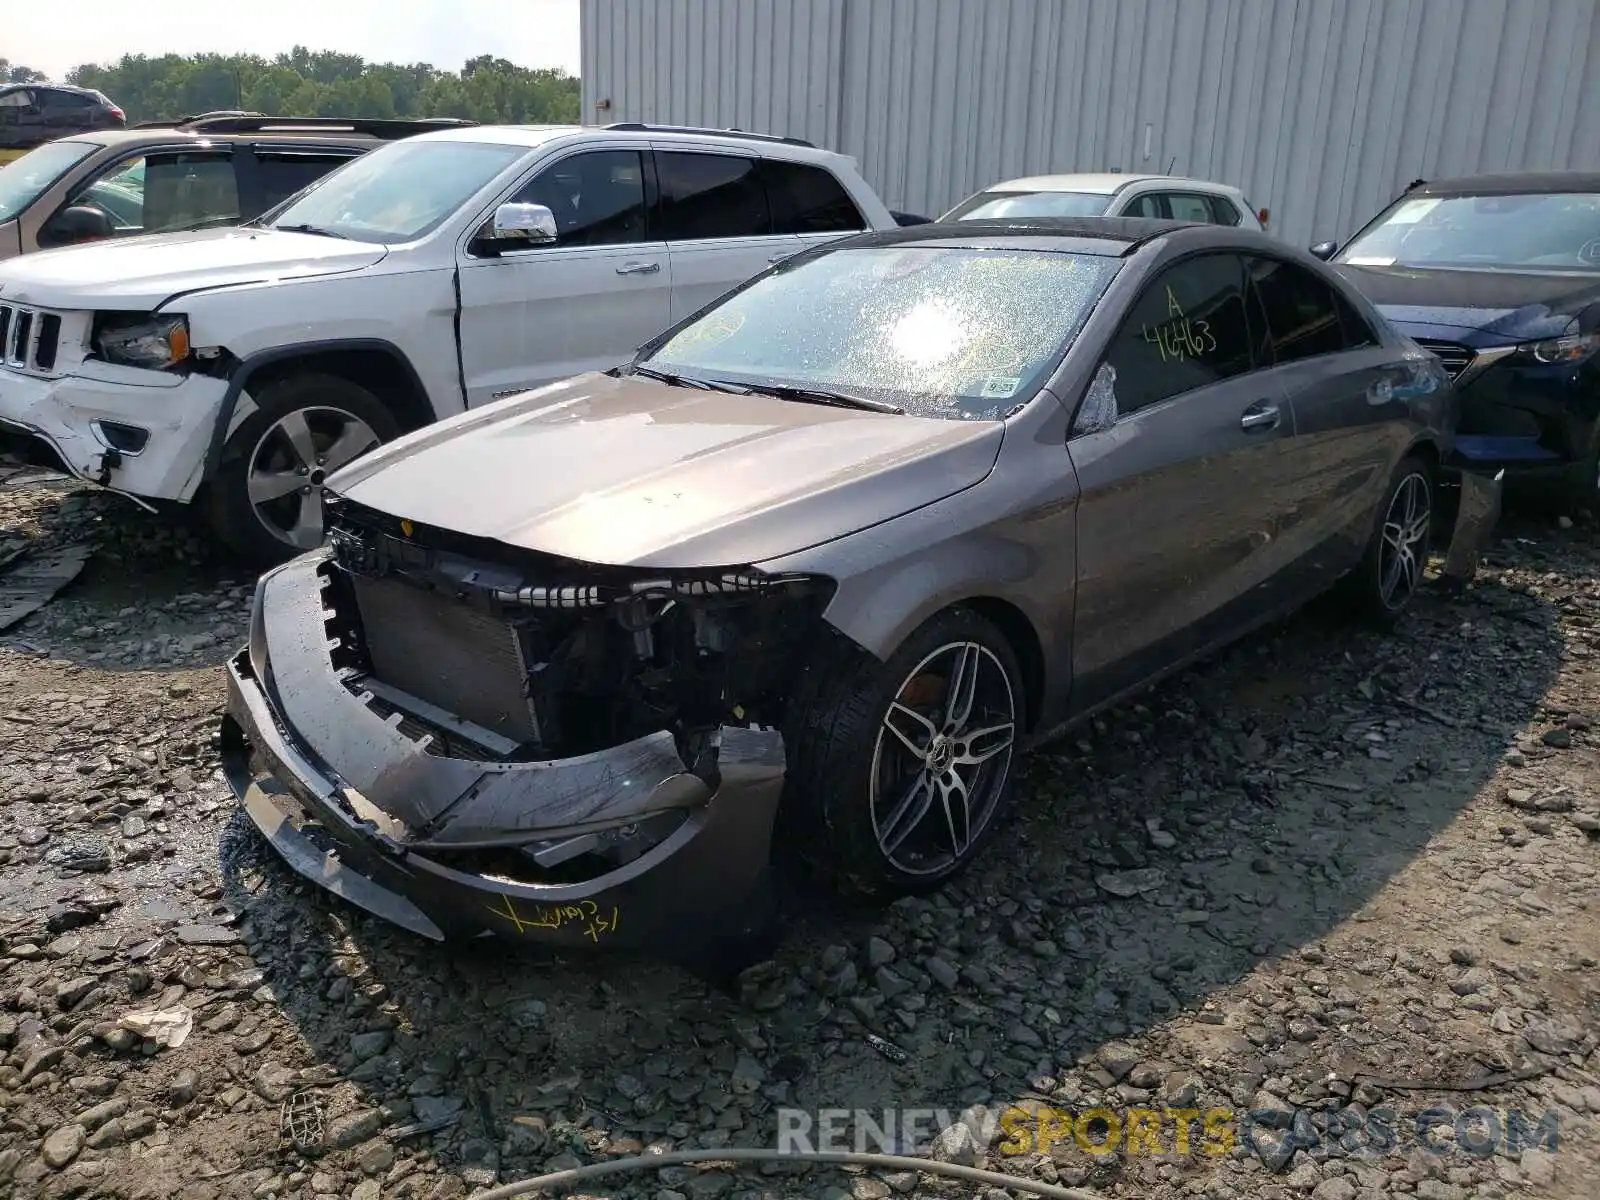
x=316 y=229
x=673 y=379
x=811 y=395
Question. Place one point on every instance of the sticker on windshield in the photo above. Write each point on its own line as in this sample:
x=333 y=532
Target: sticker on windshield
x=1369 y=260
x=1413 y=211
x=1000 y=387
x=712 y=331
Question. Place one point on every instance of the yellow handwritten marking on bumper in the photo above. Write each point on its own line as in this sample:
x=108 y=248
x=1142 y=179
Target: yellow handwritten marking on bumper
x=586 y=914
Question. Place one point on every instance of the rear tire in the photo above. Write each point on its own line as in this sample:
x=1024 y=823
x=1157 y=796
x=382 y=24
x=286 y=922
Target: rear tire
x=901 y=771
x=265 y=502
x=1390 y=574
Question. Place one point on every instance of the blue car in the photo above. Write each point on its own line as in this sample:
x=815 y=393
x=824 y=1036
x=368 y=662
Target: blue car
x=1499 y=276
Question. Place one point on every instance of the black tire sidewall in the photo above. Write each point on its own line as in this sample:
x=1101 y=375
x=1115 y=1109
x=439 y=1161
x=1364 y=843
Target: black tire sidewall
x=231 y=515
x=841 y=770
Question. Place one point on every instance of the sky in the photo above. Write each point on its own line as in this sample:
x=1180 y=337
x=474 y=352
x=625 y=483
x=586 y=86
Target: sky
x=531 y=33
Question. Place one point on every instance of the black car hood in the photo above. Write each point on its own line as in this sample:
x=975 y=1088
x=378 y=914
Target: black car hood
x=1500 y=305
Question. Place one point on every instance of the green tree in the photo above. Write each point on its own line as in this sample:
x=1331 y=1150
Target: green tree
x=311 y=83
x=18 y=73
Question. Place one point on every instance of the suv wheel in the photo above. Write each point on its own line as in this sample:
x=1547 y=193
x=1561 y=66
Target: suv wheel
x=266 y=500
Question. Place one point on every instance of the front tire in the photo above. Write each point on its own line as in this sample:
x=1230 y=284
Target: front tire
x=266 y=500
x=902 y=769
x=1390 y=574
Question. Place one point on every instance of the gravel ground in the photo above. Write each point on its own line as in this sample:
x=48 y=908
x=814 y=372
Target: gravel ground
x=1326 y=873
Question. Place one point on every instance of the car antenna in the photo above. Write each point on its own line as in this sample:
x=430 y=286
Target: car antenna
x=1172 y=163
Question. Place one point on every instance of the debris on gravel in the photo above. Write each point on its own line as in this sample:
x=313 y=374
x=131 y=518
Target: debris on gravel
x=1314 y=918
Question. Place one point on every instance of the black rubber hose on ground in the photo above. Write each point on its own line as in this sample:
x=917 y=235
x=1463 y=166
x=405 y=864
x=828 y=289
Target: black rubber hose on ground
x=882 y=1162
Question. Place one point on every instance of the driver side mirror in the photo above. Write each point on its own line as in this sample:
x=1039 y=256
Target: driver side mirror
x=75 y=224
x=1324 y=250
x=515 y=225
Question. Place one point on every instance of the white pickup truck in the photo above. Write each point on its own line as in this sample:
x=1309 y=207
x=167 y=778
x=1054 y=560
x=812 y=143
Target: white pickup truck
x=236 y=368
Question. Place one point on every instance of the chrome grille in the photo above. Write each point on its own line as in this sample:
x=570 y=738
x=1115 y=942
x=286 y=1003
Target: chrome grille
x=28 y=338
x=1455 y=357
x=455 y=657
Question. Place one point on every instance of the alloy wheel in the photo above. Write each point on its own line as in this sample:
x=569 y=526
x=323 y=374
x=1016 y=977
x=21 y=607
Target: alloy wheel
x=289 y=466
x=1401 y=558
x=942 y=757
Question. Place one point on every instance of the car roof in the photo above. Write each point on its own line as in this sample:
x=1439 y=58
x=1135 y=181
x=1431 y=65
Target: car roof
x=1105 y=183
x=119 y=139
x=1512 y=183
x=1112 y=237
x=533 y=136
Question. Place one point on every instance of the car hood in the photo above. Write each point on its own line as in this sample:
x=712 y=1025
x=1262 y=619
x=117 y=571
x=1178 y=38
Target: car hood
x=144 y=272
x=1481 y=308
x=632 y=472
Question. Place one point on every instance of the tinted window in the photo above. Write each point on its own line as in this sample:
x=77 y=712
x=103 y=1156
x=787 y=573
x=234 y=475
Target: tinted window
x=808 y=200
x=1187 y=330
x=66 y=101
x=711 y=196
x=961 y=334
x=16 y=99
x=1357 y=332
x=598 y=198
x=284 y=174
x=1302 y=311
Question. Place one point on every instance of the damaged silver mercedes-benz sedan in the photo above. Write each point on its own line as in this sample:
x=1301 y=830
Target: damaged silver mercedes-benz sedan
x=818 y=566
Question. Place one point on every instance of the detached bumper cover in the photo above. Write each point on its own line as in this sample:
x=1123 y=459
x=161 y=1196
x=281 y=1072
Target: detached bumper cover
x=1477 y=512
x=327 y=798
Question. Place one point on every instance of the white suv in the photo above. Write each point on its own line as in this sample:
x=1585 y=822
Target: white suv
x=1111 y=195
x=238 y=367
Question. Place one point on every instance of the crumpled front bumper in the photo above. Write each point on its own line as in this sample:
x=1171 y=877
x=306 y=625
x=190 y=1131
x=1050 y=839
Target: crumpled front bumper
x=321 y=774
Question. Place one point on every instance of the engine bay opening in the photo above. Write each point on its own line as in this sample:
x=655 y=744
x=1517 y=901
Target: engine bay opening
x=511 y=656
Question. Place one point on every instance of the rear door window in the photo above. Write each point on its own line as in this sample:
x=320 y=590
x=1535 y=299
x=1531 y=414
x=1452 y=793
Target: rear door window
x=1187 y=330
x=806 y=199
x=1303 y=312
x=711 y=196
x=282 y=173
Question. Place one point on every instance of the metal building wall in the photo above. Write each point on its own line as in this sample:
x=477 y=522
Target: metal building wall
x=1322 y=110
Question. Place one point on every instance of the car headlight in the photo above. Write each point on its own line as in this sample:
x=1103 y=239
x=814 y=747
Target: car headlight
x=156 y=343
x=1572 y=347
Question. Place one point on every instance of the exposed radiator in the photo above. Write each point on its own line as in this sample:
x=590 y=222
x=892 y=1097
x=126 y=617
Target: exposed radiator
x=454 y=657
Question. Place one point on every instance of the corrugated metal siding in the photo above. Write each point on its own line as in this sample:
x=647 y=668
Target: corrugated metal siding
x=1322 y=110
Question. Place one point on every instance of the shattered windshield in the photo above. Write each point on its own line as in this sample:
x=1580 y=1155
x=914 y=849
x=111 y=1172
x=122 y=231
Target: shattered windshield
x=1543 y=232
x=1021 y=206
x=958 y=333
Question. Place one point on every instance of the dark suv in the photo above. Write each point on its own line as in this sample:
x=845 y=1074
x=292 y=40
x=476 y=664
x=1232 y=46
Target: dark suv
x=34 y=113
x=215 y=169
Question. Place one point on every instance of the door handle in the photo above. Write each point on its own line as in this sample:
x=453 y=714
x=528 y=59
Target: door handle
x=638 y=268
x=1260 y=416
